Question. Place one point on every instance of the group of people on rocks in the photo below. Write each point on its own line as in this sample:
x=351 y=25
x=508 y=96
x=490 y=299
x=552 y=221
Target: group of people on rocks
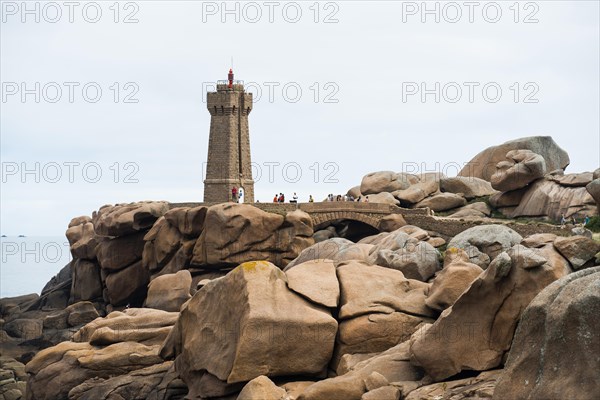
x=281 y=198
x=564 y=220
x=347 y=197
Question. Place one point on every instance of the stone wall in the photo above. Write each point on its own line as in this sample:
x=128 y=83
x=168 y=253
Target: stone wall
x=450 y=227
x=278 y=208
x=420 y=217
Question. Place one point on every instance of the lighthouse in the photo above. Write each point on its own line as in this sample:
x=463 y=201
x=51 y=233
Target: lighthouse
x=229 y=163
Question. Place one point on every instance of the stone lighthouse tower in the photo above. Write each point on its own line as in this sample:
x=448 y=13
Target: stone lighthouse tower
x=228 y=163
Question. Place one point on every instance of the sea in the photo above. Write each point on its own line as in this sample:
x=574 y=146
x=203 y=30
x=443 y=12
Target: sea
x=28 y=263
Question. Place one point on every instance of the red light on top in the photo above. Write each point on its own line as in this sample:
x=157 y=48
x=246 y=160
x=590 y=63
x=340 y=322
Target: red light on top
x=230 y=78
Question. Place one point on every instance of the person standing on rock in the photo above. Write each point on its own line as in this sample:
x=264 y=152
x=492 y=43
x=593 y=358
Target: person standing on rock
x=275 y=199
x=310 y=199
x=563 y=221
x=234 y=194
x=240 y=197
x=294 y=198
x=586 y=220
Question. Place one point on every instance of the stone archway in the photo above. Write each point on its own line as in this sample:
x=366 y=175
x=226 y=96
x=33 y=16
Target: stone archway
x=322 y=219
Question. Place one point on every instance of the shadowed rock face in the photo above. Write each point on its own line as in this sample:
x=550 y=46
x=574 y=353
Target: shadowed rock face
x=82 y=238
x=398 y=250
x=478 y=329
x=449 y=283
x=128 y=286
x=507 y=199
x=60 y=368
x=483 y=165
x=479 y=387
x=87 y=283
x=108 y=348
x=555 y=350
x=124 y=247
x=236 y=233
x=120 y=252
x=125 y=219
x=144 y=325
x=593 y=189
x=119 y=231
x=547 y=198
x=391 y=365
x=156 y=382
x=579 y=250
x=575 y=180
x=169 y=244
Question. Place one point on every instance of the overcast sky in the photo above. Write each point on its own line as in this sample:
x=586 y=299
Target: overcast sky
x=360 y=66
